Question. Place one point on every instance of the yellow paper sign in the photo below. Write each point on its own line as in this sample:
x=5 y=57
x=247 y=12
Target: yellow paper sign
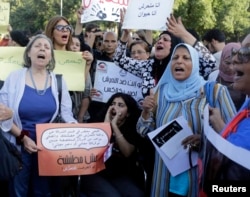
x=69 y=64
x=4 y=13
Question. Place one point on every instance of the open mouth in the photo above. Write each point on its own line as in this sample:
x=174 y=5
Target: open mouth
x=179 y=70
x=113 y=113
x=64 y=37
x=159 y=47
x=41 y=56
x=239 y=73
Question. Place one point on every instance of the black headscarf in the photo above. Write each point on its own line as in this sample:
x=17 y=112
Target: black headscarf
x=160 y=65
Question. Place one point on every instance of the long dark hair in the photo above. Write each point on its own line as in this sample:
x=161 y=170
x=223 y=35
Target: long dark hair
x=133 y=108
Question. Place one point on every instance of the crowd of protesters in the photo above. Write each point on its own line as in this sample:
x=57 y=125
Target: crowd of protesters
x=180 y=74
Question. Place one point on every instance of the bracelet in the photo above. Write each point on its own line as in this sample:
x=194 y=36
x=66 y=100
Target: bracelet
x=21 y=136
x=119 y=136
x=195 y=43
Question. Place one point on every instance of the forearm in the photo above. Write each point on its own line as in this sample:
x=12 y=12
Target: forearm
x=125 y=36
x=78 y=27
x=149 y=36
x=144 y=126
x=125 y=147
x=83 y=109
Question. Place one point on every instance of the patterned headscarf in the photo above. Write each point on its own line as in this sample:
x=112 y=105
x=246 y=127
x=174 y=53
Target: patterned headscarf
x=175 y=90
x=223 y=68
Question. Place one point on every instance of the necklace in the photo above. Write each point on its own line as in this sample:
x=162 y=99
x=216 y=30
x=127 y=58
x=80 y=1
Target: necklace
x=39 y=92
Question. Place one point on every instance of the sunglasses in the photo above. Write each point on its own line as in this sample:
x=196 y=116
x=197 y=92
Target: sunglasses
x=242 y=53
x=64 y=28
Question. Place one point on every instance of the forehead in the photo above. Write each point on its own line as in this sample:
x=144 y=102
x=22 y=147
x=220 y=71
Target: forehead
x=165 y=36
x=109 y=36
x=41 y=40
x=135 y=34
x=118 y=100
x=75 y=39
x=62 y=22
x=182 y=49
x=137 y=46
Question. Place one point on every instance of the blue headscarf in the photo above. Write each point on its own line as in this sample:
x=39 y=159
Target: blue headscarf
x=175 y=90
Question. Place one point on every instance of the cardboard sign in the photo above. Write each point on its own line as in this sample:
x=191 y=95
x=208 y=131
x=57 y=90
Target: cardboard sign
x=72 y=149
x=102 y=10
x=147 y=14
x=110 y=79
x=4 y=16
x=70 y=64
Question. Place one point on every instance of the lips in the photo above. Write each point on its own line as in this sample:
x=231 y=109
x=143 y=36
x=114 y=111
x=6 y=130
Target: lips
x=65 y=38
x=159 y=47
x=41 y=56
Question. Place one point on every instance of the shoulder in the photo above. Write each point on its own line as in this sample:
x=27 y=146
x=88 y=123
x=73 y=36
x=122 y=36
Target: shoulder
x=17 y=73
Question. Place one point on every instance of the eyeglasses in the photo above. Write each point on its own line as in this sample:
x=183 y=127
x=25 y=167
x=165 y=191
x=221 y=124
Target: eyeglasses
x=137 y=39
x=243 y=54
x=64 y=28
x=137 y=52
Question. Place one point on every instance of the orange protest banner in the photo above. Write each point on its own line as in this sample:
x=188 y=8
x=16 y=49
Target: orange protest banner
x=72 y=149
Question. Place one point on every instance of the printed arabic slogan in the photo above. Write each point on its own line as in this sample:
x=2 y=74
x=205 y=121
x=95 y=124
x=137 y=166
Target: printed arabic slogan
x=4 y=16
x=110 y=79
x=69 y=64
x=141 y=13
x=102 y=10
x=72 y=149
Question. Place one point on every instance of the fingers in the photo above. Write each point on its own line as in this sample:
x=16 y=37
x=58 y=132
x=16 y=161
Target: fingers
x=192 y=140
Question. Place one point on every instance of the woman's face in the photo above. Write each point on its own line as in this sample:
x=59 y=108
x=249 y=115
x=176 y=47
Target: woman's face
x=61 y=33
x=242 y=75
x=228 y=66
x=181 y=66
x=120 y=107
x=135 y=37
x=75 y=45
x=138 y=52
x=162 y=46
x=40 y=53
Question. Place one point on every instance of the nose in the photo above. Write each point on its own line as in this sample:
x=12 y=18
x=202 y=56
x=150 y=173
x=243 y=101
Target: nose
x=159 y=40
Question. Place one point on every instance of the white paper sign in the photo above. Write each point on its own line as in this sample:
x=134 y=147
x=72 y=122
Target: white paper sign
x=110 y=79
x=147 y=14
x=235 y=153
x=102 y=10
x=167 y=141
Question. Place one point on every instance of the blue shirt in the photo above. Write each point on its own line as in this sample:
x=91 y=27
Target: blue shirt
x=35 y=109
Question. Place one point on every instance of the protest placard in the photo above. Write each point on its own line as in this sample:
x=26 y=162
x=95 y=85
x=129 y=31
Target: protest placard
x=110 y=79
x=4 y=16
x=147 y=14
x=102 y=10
x=72 y=149
x=70 y=64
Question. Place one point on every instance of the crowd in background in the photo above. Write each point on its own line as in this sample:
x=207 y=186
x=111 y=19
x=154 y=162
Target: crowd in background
x=181 y=72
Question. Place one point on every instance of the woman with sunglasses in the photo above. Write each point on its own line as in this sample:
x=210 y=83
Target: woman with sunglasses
x=59 y=30
x=152 y=69
x=226 y=73
x=222 y=168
